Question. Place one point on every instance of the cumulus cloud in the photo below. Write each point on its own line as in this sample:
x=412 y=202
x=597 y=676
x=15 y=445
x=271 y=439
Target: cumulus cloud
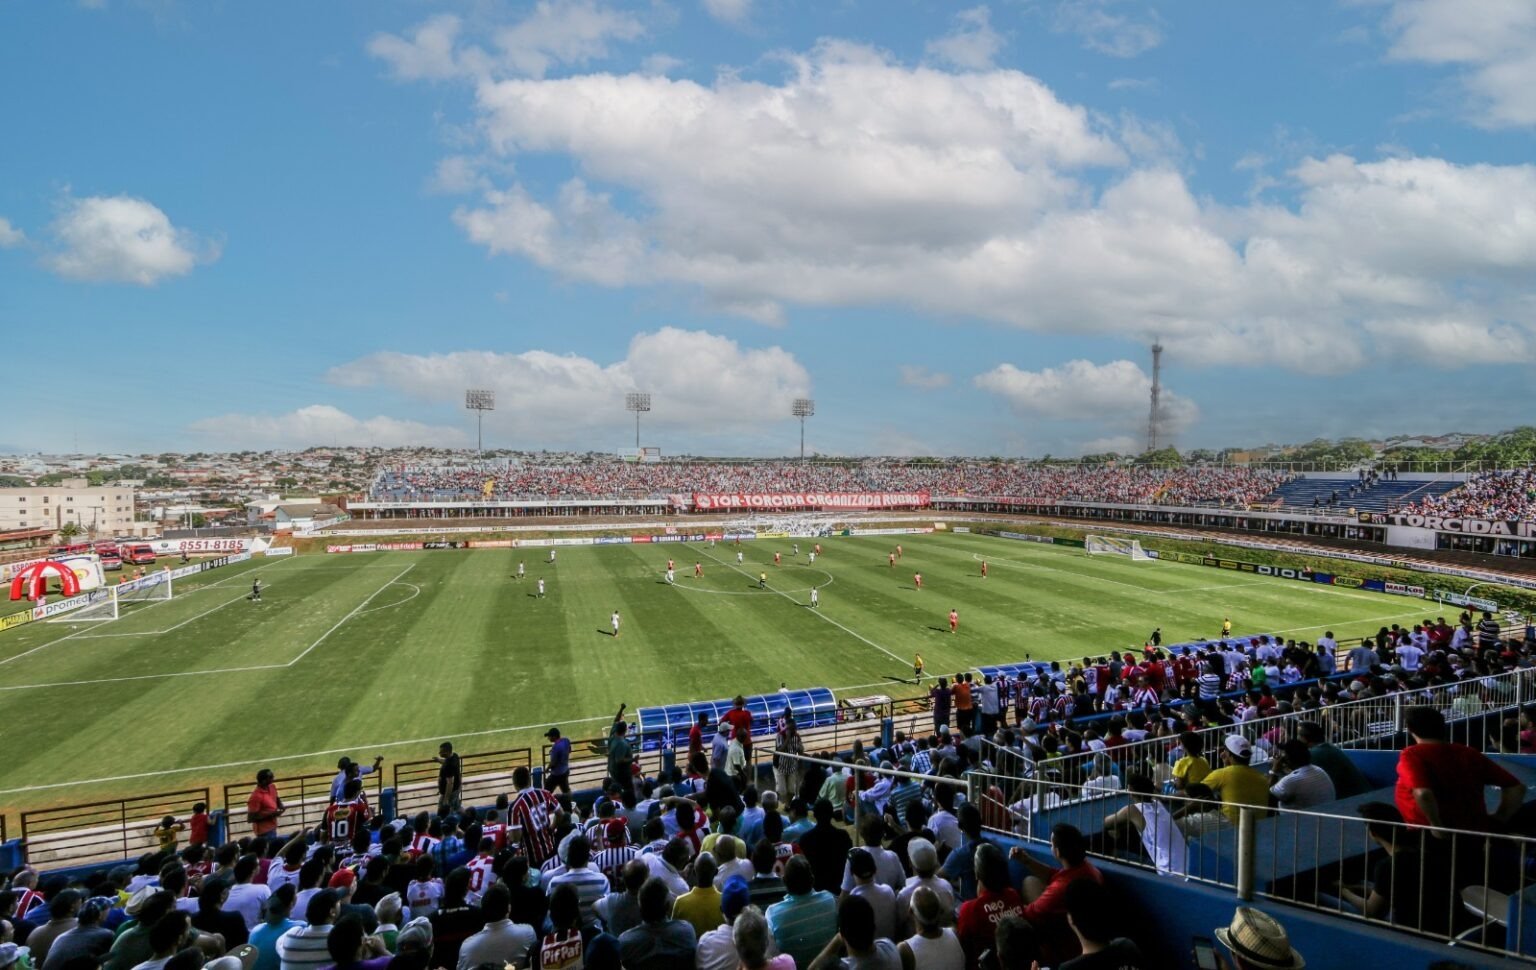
x=554 y=33
x=10 y=236
x=1119 y=28
x=121 y=239
x=1117 y=394
x=322 y=424
x=857 y=180
x=729 y=11
x=972 y=44
x=699 y=381
x=1493 y=42
x=922 y=378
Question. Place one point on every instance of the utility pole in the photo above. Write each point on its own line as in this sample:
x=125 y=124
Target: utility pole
x=1154 y=419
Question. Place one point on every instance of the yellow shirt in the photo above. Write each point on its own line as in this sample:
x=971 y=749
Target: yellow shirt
x=1239 y=785
x=1192 y=769
x=701 y=907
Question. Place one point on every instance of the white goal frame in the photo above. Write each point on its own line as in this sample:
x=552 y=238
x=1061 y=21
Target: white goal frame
x=1111 y=546
x=106 y=604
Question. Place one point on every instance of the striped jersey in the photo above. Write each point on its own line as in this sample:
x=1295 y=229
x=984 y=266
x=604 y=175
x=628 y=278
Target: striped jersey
x=535 y=809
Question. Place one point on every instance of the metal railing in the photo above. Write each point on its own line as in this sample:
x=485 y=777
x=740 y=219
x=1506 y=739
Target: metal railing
x=305 y=799
x=1470 y=888
x=118 y=828
x=484 y=775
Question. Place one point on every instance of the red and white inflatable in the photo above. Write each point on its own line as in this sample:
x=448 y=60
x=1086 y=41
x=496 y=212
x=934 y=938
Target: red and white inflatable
x=32 y=582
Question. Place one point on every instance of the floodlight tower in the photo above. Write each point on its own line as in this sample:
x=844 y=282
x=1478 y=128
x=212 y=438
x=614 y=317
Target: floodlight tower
x=1153 y=420
x=803 y=408
x=480 y=402
x=638 y=402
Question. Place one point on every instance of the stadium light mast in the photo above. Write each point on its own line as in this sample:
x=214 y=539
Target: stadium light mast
x=803 y=408
x=480 y=402
x=638 y=402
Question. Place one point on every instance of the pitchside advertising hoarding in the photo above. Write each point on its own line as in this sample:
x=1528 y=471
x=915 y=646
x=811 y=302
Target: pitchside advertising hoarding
x=752 y=501
x=1460 y=525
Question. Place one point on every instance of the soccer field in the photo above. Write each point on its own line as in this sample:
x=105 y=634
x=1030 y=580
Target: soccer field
x=391 y=652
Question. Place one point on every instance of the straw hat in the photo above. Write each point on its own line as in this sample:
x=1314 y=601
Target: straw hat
x=1259 y=941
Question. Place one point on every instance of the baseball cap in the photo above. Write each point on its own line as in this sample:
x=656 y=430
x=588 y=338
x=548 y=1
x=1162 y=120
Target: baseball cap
x=1238 y=745
x=923 y=855
x=735 y=896
x=553 y=732
x=242 y=957
x=343 y=878
x=137 y=900
x=417 y=931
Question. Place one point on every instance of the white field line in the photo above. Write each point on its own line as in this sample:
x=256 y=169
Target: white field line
x=215 y=670
x=415 y=592
x=752 y=592
x=1055 y=569
x=820 y=615
x=153 y=633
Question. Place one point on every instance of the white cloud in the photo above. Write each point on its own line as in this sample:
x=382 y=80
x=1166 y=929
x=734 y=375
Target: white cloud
x=729 y=11
x=1117 y=393
x=458 y=175
x=10 y=236
x=699 y=381
x=972 y=44
x=322 y=424
x=122 y=239
x=1132 y=83
x=1120 y=444
x=1105 y=27
x=922 y=378
x=1492 y=41
x=856 y=180
x=1454 y=342
x=554 y=33
x=661 y=64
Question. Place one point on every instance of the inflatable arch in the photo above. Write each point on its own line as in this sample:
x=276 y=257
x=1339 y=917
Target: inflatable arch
x=32 y=582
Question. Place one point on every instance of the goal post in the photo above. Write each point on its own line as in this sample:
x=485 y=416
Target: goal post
x=109 y=602
x=1108 y=545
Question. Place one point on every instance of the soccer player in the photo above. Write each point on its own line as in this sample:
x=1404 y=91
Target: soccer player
x=890 y=558
x=762 y=580
x=811 y=558
x=898 y=550
x=551 y=555
x=776 y=558
x=954 y=620
x=817 y=549
x=541 y=587
x=613 y=621
x=671 y=565
x=917 y=666
x=815 y=597
x=256 y=590
x=983 y=569
x=671 y=576
x=1226 y=626
x=797 y=548
x=698 y=570
x=917 y=580
x=520 y=570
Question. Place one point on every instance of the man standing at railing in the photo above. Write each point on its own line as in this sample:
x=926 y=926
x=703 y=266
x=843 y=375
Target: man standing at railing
x=557 y=775
x=450 y=779
x=347 y=769
x=1440 y=784
x=265 y=805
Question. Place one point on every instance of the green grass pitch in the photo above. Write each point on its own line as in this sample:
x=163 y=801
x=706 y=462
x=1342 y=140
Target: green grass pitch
x=389 y=652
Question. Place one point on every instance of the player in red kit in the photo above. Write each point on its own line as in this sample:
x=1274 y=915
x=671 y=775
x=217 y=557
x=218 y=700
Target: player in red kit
x=671 y=565
x=917 y=580
x=954 y=620
x=818 y=548
x=775 y=559
x=698 y=570
x=348 y=815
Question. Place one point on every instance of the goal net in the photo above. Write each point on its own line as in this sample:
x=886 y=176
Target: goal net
x=108 y=603
x=1106 y=545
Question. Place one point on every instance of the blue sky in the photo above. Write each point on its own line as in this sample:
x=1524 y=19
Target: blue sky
x=956 y=227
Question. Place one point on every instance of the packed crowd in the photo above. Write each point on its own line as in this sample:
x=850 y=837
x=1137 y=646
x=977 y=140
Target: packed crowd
x=609 y=478
x=719 y=867
x=1499 y=496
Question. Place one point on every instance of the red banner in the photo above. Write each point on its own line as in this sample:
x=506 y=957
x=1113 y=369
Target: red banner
x=707 y=502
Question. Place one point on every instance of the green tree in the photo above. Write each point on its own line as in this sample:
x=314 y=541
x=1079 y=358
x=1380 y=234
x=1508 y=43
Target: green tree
x=1161 y=458
x=70 y=530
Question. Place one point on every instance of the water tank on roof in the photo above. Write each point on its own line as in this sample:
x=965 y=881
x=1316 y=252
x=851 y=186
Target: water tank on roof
x=668 y=725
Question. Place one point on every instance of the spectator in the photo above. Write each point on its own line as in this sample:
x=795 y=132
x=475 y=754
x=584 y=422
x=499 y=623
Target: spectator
x=565 y=945
x=1017 y=946
x=1257 y=942
x=265 y=805
x=303 y=947
x=934 y=946
x=959 y=868
x=274 y=924
x=658 y=943
x=753 y=943
x=1045 y=888
x=806 y=919
x=89 y=939
x=414 y=946
x=351 y=948
x=1440 y=784
x=501 y=941
x=425 y=892
x=1411 y=888
x=1091 y=914
x=729 y=851
x=63 y=913
x=826 y=846
x=856 y=946
x=590 y=884
x=213 y=917
x=882 y=901
x=245 y=896
x=1148 y=820
x=976 y=925
x=888 y=867
x=1295 y=782
x=1192 y=767
x=620 y=911
x=455 y=921
x=1347 y=779
x=169 y=934
x=389 y=911
x=925 y=867
x=717 y=948
x=668 y=865
x=132 y=945
x=1234 y=782
x=767 y=888
x=700 y=906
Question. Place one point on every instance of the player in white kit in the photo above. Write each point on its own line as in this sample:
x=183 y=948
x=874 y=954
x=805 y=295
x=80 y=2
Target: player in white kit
x=613 y=621
x=671 y=576
x=738 y=557
x=541 y=589
x=520 y=569
x=815 y=596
